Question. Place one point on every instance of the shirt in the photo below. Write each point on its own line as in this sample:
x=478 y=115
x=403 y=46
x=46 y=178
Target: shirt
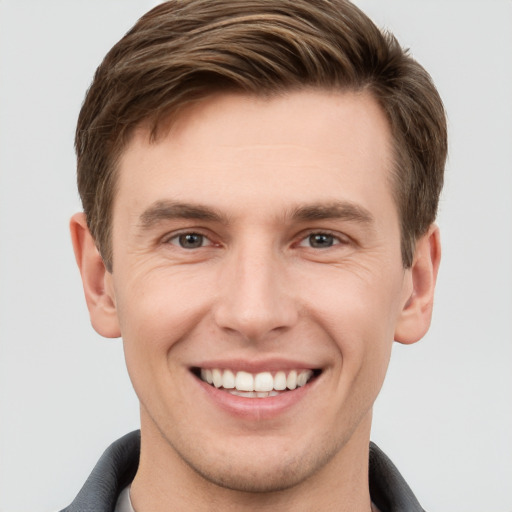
x=124 y=503
x=116 y=469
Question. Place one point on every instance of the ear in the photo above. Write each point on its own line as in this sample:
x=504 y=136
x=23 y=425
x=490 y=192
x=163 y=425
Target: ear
x=415 y=317
x=96 y=280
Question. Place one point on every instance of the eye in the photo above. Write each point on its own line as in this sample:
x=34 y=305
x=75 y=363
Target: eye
x=320 y=240
x=190 y=240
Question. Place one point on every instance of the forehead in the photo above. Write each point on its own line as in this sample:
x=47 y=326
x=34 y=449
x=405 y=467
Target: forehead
x=264 y=152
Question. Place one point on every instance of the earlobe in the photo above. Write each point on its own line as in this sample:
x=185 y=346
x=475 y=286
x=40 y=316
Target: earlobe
x=96 y=280
x=415 y=317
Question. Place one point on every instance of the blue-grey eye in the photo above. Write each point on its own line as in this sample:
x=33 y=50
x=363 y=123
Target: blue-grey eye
x=321 y=240
x=191 y=240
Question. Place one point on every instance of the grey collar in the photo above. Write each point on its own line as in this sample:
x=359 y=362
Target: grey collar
x=117 y=467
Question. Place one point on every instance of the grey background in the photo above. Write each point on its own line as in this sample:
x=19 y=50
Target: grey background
x=445 y=413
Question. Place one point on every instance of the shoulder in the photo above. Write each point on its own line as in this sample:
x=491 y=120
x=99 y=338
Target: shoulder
x=113 y=472
x=388 y=488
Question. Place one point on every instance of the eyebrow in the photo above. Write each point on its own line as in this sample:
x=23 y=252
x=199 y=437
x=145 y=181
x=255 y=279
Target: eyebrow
x=342 y=210
x=168 y=210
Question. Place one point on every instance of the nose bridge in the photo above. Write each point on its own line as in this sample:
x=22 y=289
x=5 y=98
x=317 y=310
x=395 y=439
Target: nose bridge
x=254 y=297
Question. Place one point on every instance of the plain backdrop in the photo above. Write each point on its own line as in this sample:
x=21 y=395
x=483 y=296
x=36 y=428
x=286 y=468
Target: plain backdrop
x=445 y=413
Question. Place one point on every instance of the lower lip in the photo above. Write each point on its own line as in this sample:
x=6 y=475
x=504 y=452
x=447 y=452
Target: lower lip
x=256 y=408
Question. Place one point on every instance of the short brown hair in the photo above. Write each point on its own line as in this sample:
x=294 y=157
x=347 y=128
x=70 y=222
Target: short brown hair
x=183 y=50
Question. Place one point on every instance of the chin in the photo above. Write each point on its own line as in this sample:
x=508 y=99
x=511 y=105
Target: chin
x=269 y=470
x=265 y=478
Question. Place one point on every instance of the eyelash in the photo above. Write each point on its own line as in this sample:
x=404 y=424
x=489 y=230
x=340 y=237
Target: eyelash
x=336 y=239
x=177 y=239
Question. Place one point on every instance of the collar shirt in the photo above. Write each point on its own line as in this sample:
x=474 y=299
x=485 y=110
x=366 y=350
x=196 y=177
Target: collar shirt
x=107 y=488
x=124 y=503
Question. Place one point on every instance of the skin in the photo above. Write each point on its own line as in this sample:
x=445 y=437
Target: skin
x=258 y=291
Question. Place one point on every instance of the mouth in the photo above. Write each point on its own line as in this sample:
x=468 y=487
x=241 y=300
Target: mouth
x=256 y=385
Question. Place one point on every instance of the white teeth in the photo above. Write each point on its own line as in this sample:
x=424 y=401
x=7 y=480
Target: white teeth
x=241 y=393
x=303 y=377
x=291 y=380
x=244 y=381
x=280 y=381
x=253 y=394
x=206 y=375
x=228 y=380
x=260 y=385
x=217 y=377
x=263 y=382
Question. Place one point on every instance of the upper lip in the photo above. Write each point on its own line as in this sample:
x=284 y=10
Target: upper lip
x=256 y=366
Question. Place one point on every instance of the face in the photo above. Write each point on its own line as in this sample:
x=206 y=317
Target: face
x=257 y=245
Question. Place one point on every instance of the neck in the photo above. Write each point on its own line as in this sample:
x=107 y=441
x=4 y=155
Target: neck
x=166 y=482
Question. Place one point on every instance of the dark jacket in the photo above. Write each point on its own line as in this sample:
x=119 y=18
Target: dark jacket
x=118 y=465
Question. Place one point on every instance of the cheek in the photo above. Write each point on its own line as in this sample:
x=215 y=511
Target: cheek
x=361 y=326
x=356 y=303
x=158 y=310
x=359 y=313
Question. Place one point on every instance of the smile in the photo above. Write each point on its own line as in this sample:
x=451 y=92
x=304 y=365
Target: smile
x=255 y=385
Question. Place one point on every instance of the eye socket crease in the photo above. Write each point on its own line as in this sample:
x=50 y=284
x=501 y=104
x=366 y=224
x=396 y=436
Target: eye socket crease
x=165 y=210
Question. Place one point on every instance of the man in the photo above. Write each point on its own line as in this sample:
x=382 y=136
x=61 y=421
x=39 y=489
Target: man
x=260 y=183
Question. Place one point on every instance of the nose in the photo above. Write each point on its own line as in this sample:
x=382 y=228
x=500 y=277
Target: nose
x=256 y=298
